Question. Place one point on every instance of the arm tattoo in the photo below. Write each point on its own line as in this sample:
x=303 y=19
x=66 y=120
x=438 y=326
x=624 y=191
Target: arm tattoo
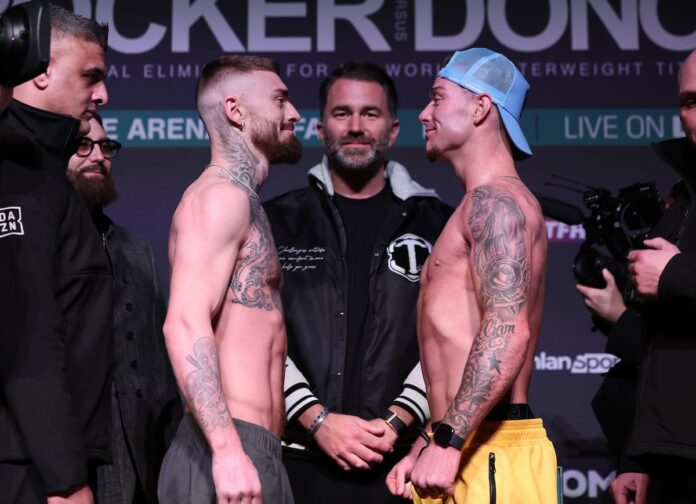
x=257 y=260
x=203 y=389
x=500 y=258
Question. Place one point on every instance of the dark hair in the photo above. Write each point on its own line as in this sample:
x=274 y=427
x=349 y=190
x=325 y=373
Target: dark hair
x=64 y=22
x=227 y=66
x=365 y=72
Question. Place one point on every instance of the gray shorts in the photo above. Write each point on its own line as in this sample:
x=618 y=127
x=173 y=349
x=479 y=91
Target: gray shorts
x=186 y=476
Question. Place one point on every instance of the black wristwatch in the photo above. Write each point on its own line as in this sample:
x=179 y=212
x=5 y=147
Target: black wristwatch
x=394 y=422
x=444 y=436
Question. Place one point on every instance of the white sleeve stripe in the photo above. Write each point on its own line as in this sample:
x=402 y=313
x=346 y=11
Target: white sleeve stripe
x=413 y=396
x=419 y=408
x=299 y=406
x=293 y=376
x=298 y=396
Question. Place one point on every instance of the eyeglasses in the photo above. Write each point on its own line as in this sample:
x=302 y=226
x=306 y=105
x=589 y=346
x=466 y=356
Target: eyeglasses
x=109 y=148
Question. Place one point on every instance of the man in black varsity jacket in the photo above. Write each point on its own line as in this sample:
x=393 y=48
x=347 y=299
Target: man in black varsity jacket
x=351 y=246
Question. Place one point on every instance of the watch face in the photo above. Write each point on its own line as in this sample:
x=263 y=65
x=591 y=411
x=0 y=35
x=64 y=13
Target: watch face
x=443 y=434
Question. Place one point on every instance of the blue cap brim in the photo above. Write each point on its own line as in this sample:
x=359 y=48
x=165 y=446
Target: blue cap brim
x=514 y=131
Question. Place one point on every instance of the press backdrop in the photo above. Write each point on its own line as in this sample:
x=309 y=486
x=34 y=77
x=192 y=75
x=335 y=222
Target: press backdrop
x=603 y=79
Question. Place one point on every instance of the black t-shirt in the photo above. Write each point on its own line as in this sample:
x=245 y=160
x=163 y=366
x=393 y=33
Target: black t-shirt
x=362 y=220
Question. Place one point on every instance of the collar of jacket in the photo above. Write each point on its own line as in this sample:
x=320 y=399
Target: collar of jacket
x=680 y=155
x=402 y=185
x=57 y=133
x=103 y=222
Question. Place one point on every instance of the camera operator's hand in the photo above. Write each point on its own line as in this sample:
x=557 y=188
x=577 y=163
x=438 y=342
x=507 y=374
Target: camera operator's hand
x=646 y=266
x=606 y=303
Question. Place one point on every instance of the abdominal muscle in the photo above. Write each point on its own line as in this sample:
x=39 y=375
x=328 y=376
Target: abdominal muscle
x=252 y=346
x=448 y=321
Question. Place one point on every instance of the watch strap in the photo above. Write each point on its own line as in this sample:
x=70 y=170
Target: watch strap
x=393 y=421
x=444 y=436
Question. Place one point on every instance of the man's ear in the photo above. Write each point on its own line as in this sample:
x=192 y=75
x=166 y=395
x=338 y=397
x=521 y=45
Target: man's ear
x=482 y=107
x=320 y=131
x=395 y=127
x=42 y=80
x=234 y=113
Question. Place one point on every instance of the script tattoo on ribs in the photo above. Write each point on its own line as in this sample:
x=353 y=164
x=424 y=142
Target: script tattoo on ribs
x=203 y=389
x=500 y=258
x=257 y=263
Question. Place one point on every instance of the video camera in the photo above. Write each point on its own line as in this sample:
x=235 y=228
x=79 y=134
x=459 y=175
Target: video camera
x=615 y=226
x=25 y=37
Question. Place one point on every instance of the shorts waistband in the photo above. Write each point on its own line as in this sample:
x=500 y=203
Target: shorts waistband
x=508 y=431
x=259 y=437
x=513 y=411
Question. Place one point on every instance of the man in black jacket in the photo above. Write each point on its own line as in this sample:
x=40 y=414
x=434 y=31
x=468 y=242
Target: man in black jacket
x=351 y=245
x=145 y=406
x=662 y=445
x=55 y=294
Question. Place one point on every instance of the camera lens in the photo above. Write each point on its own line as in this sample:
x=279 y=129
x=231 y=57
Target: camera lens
x=588 y=265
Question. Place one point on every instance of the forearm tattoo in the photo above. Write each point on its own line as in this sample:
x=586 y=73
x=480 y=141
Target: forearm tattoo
x=257 y=260
x=203 y=388
x=500 y=259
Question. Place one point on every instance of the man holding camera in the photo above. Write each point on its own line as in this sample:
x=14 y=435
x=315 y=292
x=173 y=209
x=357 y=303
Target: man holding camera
x=660 y=462
x=55 y=294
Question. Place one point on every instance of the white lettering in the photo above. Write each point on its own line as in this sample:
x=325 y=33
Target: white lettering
x=259 y=11
x=111 y=127
x=677 y=128
x=307 y=129
x=185 y=14
x=357 y=15
x=426 y=40
x=578 y=488
x=81 y=7
x=146 y=42
x=577 y=484
x=137 y=130
x=597 y=483
x=645 y=127
x=603 y=126
x=650 y=20
x=623 y=30
x=498 y=22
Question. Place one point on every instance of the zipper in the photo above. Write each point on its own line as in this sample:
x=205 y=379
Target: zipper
x=491 y=476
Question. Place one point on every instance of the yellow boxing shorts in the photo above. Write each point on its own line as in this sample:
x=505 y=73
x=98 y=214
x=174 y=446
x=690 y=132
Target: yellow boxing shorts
x=505 y=462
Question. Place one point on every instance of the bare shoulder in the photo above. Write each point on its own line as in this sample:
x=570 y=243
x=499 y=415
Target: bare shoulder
x=211 y=204
x=505 y=206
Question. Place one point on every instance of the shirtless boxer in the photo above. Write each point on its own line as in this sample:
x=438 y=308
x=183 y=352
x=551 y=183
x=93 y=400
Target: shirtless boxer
x=481 y=299
x=224 y=330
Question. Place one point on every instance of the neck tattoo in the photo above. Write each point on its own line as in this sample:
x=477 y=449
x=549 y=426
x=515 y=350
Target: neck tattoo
x=237 y=180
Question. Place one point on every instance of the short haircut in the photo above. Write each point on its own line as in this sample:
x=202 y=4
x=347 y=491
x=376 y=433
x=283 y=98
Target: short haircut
x=64 y=22
x=213 y=75
x=364 y=72
x=232 y=66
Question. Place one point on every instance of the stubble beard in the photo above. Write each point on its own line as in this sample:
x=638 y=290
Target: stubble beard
x=266 y=138
x=356 y=166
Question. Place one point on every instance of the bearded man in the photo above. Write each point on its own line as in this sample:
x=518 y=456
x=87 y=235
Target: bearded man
x=352 y=245
x=224 y=329
x=145 y=406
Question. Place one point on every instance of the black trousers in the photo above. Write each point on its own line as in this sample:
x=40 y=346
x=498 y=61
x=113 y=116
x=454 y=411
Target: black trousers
x=317 y=479
x=673 y=481
x=20 y=483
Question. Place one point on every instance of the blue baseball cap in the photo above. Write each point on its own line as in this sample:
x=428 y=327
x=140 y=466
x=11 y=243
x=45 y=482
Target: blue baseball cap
x=484 y=71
